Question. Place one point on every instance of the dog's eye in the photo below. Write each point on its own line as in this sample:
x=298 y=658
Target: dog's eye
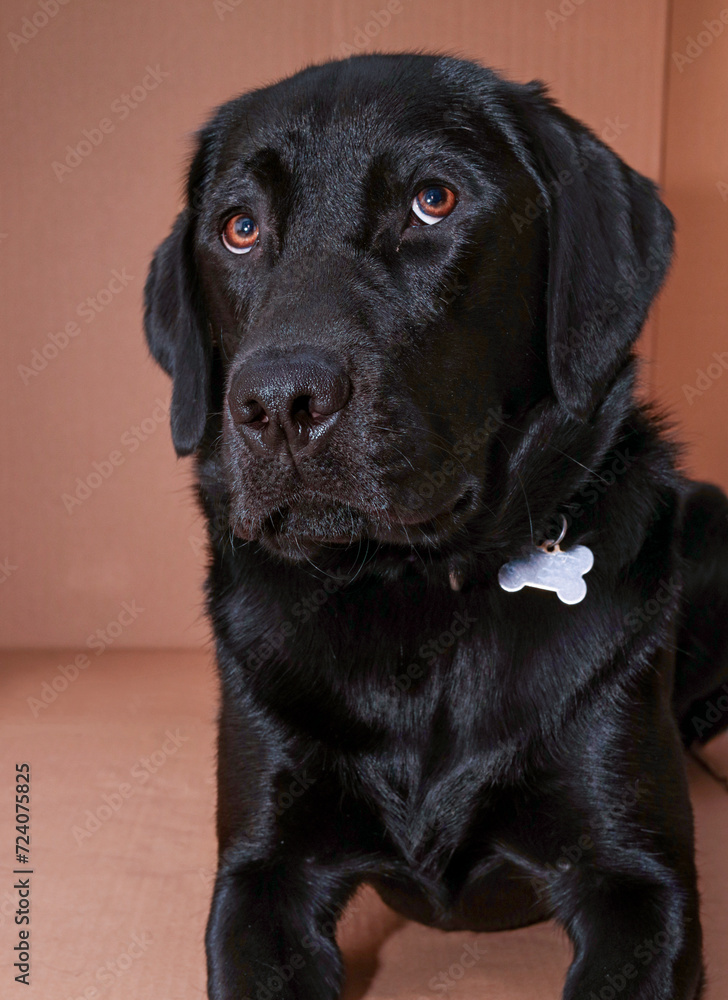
x=433 y=203
x=240 y=234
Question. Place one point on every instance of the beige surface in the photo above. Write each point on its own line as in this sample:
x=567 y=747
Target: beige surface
x=141 y=881
x=136 y=536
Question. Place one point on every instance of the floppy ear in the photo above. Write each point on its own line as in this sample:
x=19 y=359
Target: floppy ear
x=610 y=244
x=174 y=321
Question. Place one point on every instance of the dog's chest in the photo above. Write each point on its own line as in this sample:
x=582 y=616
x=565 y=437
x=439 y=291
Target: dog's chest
x=431 y=793
x=449 y=744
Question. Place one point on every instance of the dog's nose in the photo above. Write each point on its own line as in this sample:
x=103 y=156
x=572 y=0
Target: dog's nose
x=293 y=397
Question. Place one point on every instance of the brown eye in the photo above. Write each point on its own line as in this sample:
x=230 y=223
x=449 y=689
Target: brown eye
x=432 y=204
x=240 y=234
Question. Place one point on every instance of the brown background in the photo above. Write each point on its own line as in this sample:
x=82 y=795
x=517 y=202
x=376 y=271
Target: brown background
x=137 y=537
x=147 y=869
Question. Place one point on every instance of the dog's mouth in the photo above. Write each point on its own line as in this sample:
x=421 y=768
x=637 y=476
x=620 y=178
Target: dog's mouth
x=408 y=526
x=297 y=531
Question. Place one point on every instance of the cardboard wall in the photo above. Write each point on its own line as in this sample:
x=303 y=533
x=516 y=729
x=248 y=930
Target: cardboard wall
x=78 y=231
x=691 y=359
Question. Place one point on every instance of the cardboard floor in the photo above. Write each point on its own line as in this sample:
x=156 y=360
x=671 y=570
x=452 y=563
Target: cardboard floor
x=122 y=850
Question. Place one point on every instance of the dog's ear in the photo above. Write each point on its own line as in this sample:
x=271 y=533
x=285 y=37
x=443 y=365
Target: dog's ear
x=174 y=319
x=610 y=243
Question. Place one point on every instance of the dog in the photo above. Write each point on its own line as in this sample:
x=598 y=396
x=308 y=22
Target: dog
x=468 y=613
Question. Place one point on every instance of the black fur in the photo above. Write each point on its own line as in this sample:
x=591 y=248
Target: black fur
x=484 y=759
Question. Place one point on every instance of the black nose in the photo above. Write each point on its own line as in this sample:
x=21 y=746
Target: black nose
x=275 y=398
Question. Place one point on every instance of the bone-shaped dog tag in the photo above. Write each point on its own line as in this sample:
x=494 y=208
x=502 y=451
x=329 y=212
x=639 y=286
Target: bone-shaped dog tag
x=550 y=569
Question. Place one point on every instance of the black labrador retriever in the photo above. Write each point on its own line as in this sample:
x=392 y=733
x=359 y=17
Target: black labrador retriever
x=468 y=613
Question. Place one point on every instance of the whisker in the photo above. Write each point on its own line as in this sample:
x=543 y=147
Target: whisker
x=523 y=489
x=553 y=447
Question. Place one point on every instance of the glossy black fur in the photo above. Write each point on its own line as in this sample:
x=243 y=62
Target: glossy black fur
x=484 y=759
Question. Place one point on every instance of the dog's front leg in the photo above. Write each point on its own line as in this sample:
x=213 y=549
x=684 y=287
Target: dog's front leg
x=634 y=938
x=270 y=933
x=630 y=902
x=274 y=908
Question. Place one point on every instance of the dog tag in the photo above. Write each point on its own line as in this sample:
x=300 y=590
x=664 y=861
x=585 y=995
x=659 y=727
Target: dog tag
x=549 y=568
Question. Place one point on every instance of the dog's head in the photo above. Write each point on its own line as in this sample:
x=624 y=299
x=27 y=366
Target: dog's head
x=381 y=263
